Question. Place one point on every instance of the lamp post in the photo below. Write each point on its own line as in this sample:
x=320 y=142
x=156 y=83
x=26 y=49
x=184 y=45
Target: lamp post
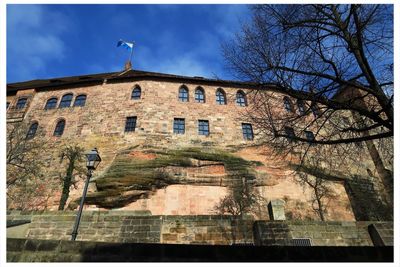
x=92 y=161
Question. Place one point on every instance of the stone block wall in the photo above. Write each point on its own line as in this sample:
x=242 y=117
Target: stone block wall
x=206 y=229
x=320 y=233
x=131 y=227
x=28 y=250
x=364 y=198
x=139 y=227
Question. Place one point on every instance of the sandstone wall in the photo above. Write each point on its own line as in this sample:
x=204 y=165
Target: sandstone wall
x=100 y=123
x=141 y=227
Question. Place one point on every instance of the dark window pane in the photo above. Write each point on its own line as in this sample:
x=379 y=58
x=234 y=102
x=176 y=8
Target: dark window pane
x=21 y=103
x=130 y=124
x=203 y=128
x=241 y=99
x=220 y=97
x=290 y=133
x=8 y=104
x=315 y=110
x=32 y=130
x=183 y=95
x=179 y=126
x=288 y=104
x=247 y=131
x=300 y=106
x=51 y=103
x=80 y=101
x=136 y=93
x=309 y=135
x=59 y=130
x=66 y=101
x=199 y=96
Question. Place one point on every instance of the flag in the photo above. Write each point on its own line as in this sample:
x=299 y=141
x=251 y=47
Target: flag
x=126 y=45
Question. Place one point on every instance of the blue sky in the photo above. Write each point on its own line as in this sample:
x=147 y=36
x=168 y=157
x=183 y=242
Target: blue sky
x=45 y=41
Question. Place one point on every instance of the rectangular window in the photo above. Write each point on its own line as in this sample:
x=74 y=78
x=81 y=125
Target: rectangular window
x=247 y=131
x=203 y=127
x=130 y=124
x=290 y=133
x=310 y=136
x=179 y=126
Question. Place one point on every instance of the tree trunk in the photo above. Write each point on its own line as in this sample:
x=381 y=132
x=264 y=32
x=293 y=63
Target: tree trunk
x=67 y=184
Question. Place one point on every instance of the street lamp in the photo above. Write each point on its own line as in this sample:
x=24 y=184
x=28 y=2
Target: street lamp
x=92 y=161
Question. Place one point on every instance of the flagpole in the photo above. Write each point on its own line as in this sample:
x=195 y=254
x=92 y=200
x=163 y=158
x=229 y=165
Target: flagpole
x=130 y=57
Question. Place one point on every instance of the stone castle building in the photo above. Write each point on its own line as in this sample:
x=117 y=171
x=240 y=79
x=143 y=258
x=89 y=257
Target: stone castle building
x=171 y=145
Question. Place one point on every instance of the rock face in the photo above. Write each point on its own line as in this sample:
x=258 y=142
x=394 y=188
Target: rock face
x=135 y=173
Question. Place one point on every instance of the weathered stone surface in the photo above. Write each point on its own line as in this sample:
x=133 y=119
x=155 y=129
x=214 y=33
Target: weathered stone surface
x=100 y=123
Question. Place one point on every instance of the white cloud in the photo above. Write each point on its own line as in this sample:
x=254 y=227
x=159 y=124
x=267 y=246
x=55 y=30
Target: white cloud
x=33 y=40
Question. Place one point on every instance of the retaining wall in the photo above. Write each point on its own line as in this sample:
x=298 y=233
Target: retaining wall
x=141 y=227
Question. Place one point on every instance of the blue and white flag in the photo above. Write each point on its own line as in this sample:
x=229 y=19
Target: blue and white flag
x=126 y=45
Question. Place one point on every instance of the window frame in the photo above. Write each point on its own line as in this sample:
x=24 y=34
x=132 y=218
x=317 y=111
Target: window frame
x=183 y=90
x=130 y=126
x=202 y=93
x=301 y=107
x=17 y=105
x=61 y=104
x=84 y=102
x=135 y=90
x=315 y=110
x=203 y=127
x=218 y=97
x=247 y=130
x=289 y=131
x=242 y=97
x=32 y=132
x=287 y=103
x=177 y=126
x=47 y=102
x=57 y=131
x=307 y=134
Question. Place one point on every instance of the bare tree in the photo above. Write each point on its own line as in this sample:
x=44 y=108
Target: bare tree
x=243 y=199
x=27 y=186
x=23 y=153
x=335 y=65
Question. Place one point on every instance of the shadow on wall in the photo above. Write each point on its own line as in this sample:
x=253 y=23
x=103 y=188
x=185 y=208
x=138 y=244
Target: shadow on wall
x=243 y=253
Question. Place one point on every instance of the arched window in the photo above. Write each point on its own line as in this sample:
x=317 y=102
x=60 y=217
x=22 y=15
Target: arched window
x=301 y=107
x=66 y=101
x=51 y=103
x=32 y=130
x=21 y=103
x=241 y=99
x=220 y=97
x=315 y=110
x=59 y=130
x=288 y=104
x=183 y=94
x=136 y=93
x=199 y=95
x=80 y=101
